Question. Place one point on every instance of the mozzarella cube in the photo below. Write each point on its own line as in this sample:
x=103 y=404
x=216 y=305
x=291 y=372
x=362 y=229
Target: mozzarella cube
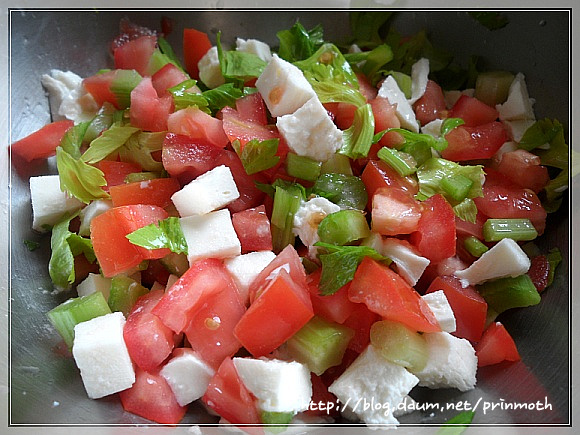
x=101 y=355
x=419 y=79
x=187 y=375
x=210 y=191
x=410 y=265
x=518 y=104
x=452 y=363
x=310 y=132
x=507 y=147
x=95 y=282
x=283 y=87
x=433 y=128
x=504 y=259
x=371 y=378
x=210 y=235
x=259 y=48
x=391 y=91
x=517 y=127
x=245 y=268
x=67 y=97
x=90 y=212
x=49 y=203
x=307 y=218
x=441 y=309
x=210 y=71
x=279 y=386
x=452 y=96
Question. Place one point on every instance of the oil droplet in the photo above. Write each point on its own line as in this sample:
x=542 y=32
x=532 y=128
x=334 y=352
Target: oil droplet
x=212 y=323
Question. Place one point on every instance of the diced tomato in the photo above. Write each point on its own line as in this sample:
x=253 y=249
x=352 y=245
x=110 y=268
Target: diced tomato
x=279 y=311
x=148 y=340
x=195 y=45
x=136 y=54
x=148 y=111
x=496 y=345
x=469 y=307
x=539 y=272
x=99 y=86
x=394 y=212
x=466 y=228
x=385 y=117
x=341 y=113
x=472 y=111
x=116 y=172
x=436 y=236
x=42 y=143
x=524 y=169
x=252 y=108
x=157 y=191
x=386 y=293
x=115 y=253
x=198 y=125
x=365 y=87
x=238 y=127
x=321 y=398
x=227 y=395
x=128 y=30
x=431 y=105
x=473 y=143
x=253 y=229
x=336 y=307
x=152 y=398
x=378 y=174
x=167 y=77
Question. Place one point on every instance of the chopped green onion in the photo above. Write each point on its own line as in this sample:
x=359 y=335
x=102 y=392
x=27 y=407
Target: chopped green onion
x=475 y=246
x=338 y=164
x=124 y=293
x=343 y=227
x=457 y=186
x=400 y=344
x=286 y=203
x=492 y=87
x=404 y=164
x=302 y=167
x=505 y=293
x=516 y=229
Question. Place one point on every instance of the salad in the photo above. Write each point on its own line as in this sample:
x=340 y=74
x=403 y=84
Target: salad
x=272 y=230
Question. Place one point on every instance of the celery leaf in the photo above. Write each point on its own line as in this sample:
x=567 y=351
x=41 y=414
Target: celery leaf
x=107 y=143
x=166 y=233
x=80 y=179
x=257 y=155
x=358 y=138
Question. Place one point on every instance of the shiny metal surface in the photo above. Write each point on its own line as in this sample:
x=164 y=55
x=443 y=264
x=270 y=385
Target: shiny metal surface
x=45 y=385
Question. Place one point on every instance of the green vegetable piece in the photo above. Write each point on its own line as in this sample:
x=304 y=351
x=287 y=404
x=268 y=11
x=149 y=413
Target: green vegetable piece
x=302 y=167
x=123 y=83
x=73 y=139
x=400 y=344
x=176 y=264
x=492 y=87
x=404 y=164
x=554 y=257
x=541 y=132
x=238 y=65
x=276 y=422
x=506 y=293
x=319 y=344
x=139 y=147
x=457 y=425
x=333 y=92
x=358 y=138
x=328 y=64
x=80 y=179
x=158 y=60
x=475 y=246
x=108 y=142
x=222 y=96
x=124 y=293
x=366 y=27
x=141 y=176
x=420 y=151
x=297 y=43
x=343 y=227
x=167 y=50
x=257 y=155
x=346 y=191
x=166 y=233
x=466 y=210
x=65 y=316
x=457 y=186
x=338 y=164
x=287 y=200
x=516 y=229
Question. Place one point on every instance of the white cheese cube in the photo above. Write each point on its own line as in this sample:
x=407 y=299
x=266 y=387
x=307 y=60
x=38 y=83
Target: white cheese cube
x=210 y=71
x=310 y=132
x=518 y=104
x=101 y=355
x=452 y=363
x=410 y=265
x=67 y=97
x=283 y=87
x=505 y=148
x=407 y=406
x=432 y=128
x=419 y=79
x=504 y=259
x=90 y=212
x=210 y=191
x=441 y=309
x=390 y=90
x=259 y=48
x=373 y=387
x=49 y=203
x=245 y=268
x=172 y=279
x=187 y=375
x=95 y=282
x=306 y=220
x=279 y=386
x=517 y=127
x=210 y=235
x=452 y=96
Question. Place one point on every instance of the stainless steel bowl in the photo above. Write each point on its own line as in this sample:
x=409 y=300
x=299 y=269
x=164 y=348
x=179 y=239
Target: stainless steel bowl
x=45 y=386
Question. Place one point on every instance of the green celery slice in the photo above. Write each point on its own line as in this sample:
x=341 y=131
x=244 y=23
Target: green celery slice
x=302 y=167
x=286 y=203
x=124 y=293
x=475 y=246
x=516 y=229
x=506 y=293
x=343 y=227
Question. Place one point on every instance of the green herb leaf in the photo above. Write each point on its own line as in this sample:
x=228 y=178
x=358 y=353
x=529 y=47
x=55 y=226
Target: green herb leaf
x=167 y=50
x=332 y=92
x=166 y=233
x=297 y=43
x=108 y=142
x=490 y=19
x=457 y=424
x=366 y=27
x=358 y=138
x=449 y=124
x=139 y=147
x=328 y=64
x=541 y=132
x=182 y=98
x=80 y=179
x=466 y=210
x=222 y=96
x=239 y=65
x=557 y=155
x=411 y=138
x=257 y=155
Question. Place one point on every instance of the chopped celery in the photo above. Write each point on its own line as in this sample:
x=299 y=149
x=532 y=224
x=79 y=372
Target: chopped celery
x=166 y=233
x=107 y=143
x=516 y=229
x=286 y=203
x=257 y=155
x=400 y=344
x=554 y=259
x=475 y=246
x=302 y=167
x=277 y=421
x=505 y=293
x=319 y=344
x=175 y=263
x=124 y=82
x=420 y=151
x=158 y=60
x=124 y=293
x=76 y=310
x=139 y=147
x=343 y=227
x=358 y=138
x=102 y=121
x=457 y=186
x=338 y=164
x=346 y=191
x=400 y=161
x=492 y=87
x=490 y=316
x=141 y=176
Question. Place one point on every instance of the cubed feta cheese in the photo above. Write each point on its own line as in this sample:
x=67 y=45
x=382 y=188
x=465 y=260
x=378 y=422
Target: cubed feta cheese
x=245 y=268
x=307 y=218
x=419 y=79
x=441 y=309
x=505 y=148
x=94 y=282
x=283 y=87
x=310 y=132
x=373 y=387
x=452 y=363
x=101 y=355
x=49 y=203
x=259 y=48
x=432 y=128
x=391 y=91
x=452 y=96
x=517 y=127
x=518 y=104
x=504 y=259
x=67 y=97
x=210 y=191
x=90 y=212
x=210 y=71
x=210 y=235
x=187 y=375
x=279 y=386
x=410 y=265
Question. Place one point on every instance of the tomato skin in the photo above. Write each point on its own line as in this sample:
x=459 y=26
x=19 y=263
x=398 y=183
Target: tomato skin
x=336 y=307
x=135 y=54
x=99 y=86
x=378 y=174
x=431 y=105
x=386 y=293
x=466 y=228
x=252 y=108
x=151 y=397
x=157 y=191
x=473 y=143
x=472 y=111
x=539 y=272
x=195 y=46
x=395 y=212
x=148 y=111
x=496 y=345
x=366 y=88
x=360 y=321
x=167 y=77
x=116 y=172
x=253 y=229
x=524 y=169
x=42 y=143
x=198 y=125
x=385 y=117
